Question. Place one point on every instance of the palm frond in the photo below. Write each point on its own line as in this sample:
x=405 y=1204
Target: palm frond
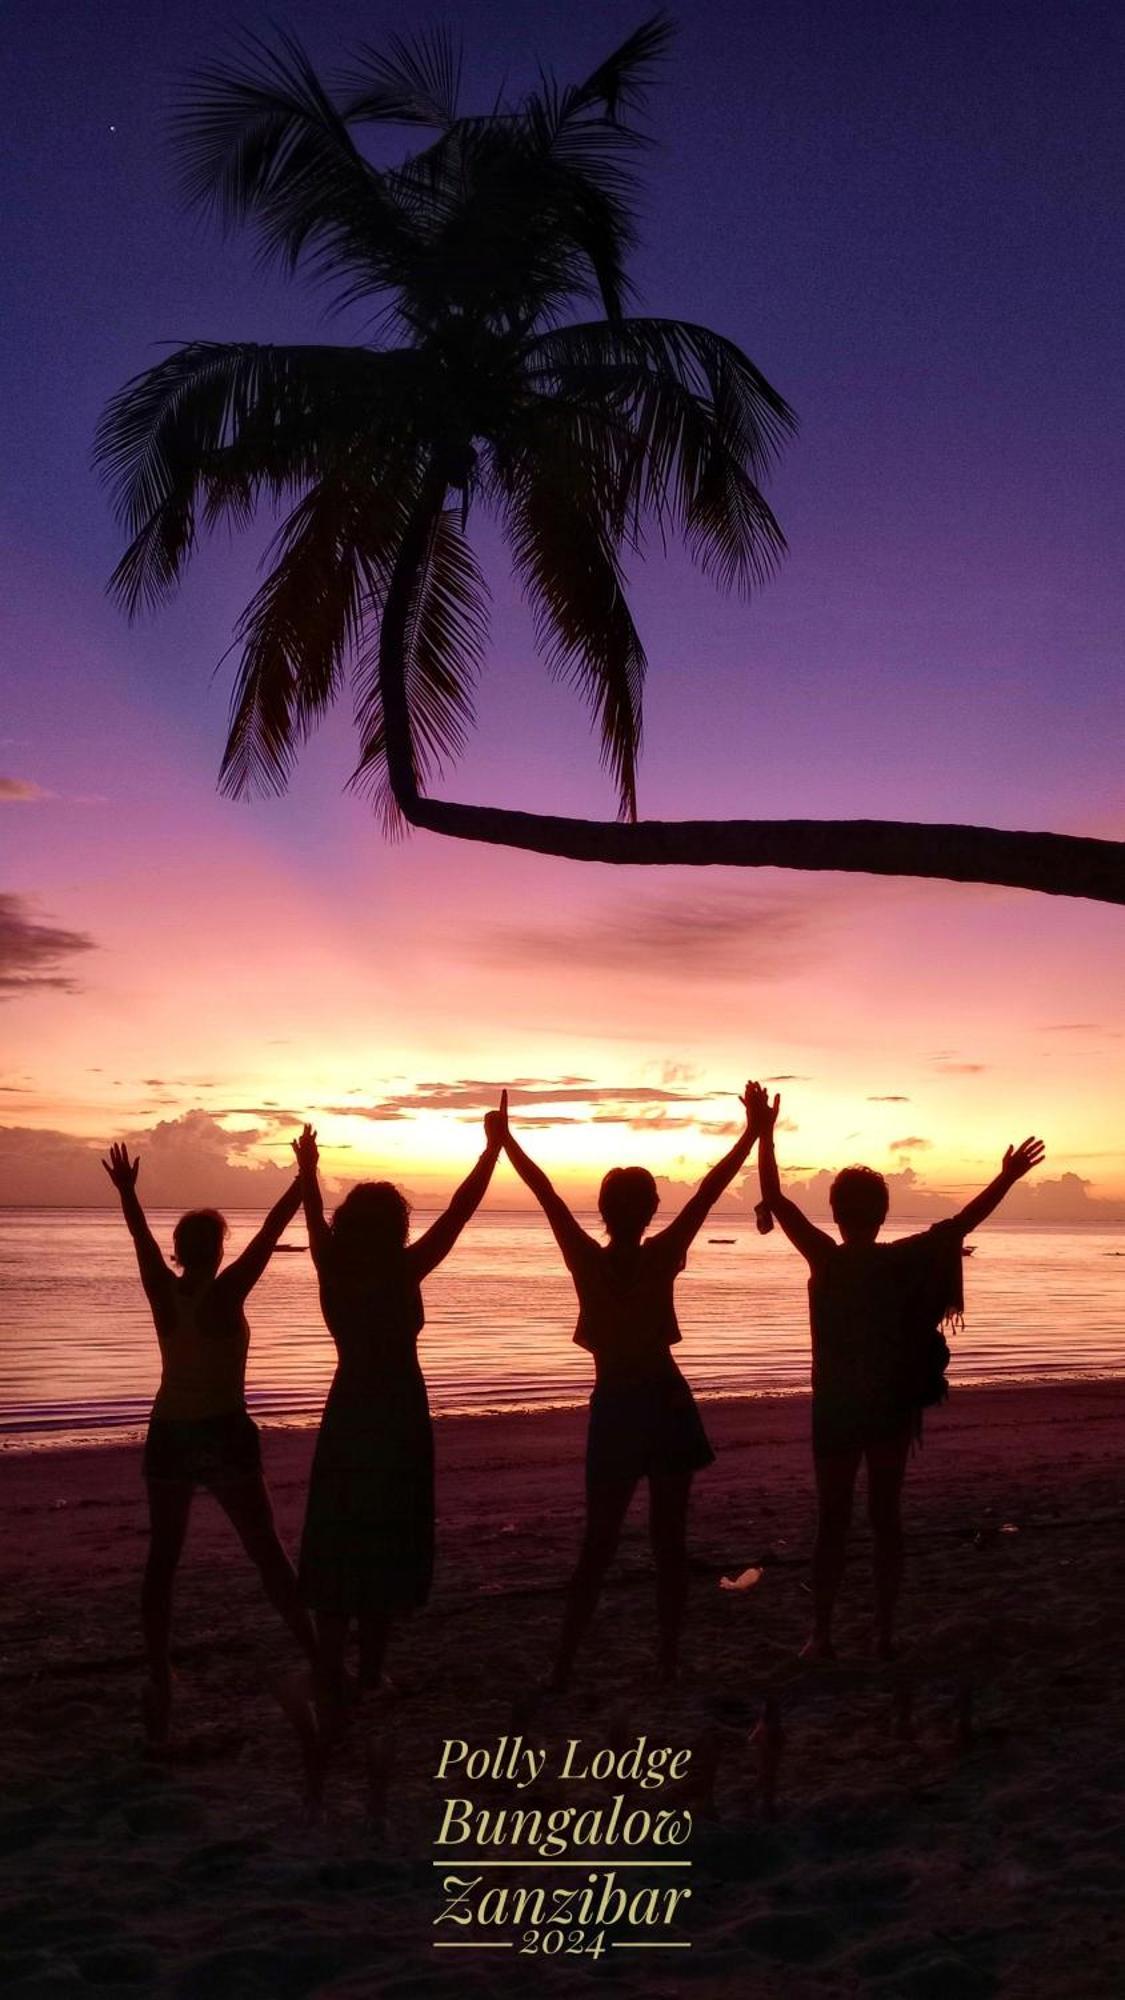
x=572 y=578
x=261 y=141
x=215 y=425
x=413 y=81
x=446 y=631
x=301 y=628
x=583 y=147
x=619 y=83
x=577 y=188
x=691 y=426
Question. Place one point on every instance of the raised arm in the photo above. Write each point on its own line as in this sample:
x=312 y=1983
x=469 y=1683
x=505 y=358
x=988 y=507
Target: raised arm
x=243 y=1271
x=568 y=1233
x=1018 y=1161
x=308 y=1186
x=813 y=1243
x=682 y=1230
x=432 y=1248
x=155 y=1274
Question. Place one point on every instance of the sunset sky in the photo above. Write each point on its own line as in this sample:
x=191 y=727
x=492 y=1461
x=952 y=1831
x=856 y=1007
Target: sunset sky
x=910 y=219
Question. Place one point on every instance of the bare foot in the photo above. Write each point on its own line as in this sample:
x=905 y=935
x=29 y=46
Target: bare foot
x=292 y=1694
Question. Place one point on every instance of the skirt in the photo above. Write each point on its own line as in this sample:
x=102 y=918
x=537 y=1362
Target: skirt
x=204 y=1451
x=368 y=1539
x=643 y=1428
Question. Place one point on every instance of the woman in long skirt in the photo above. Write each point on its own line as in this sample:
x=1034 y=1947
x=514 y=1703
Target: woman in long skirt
x=368 y=1545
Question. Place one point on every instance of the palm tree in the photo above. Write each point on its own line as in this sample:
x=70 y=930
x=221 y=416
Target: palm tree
x=479 y=389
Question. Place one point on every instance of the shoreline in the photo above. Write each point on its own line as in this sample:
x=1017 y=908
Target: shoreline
x=16 y=1443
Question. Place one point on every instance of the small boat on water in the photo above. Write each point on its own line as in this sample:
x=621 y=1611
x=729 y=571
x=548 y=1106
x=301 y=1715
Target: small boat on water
x=722 y=1239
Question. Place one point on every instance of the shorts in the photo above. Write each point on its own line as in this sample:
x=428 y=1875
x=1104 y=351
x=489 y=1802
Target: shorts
x=204 y=1451
x=642 y=1429
x=839 y=1431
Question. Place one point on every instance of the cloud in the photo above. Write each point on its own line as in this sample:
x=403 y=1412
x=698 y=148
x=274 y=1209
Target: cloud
x=722 y=936
x=947 y=1063
x=787 y=1079
x=888 y=1100
x=1067 y=1201
x=910 y=1200
x=648 y=1121
x=186 y=1162
x=480 y=1094
x=376 y=1114
x=31 y=953
x=909 y=1145
x=537 y=1124
x=266 y=1114
x=1096 y=1028
x=21 y=791
x=670 y=1072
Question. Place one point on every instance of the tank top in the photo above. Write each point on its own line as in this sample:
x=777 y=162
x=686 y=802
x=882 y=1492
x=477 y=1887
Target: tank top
x=626 y=1318
x=203 y=1340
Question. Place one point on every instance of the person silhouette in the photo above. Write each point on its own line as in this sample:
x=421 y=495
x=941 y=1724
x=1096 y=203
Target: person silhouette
x=367 y=1550
x=200 y=1432
x=644 y=1423
x=870 y=1304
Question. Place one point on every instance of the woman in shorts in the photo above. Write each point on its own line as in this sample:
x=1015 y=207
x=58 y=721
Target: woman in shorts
x=871 y=1305
x=200 y=1432
x=644 y=1423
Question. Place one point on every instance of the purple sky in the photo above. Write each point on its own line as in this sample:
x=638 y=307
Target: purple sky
x=911 y=220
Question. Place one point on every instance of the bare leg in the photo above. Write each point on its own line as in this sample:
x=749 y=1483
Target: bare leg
x=835 y=1489
x=169 y=1506
x=607 y=1504
x=330 y=1679
x=668 y=1497
x=374 y=1632
x=886 y=1468
x=246 y=1503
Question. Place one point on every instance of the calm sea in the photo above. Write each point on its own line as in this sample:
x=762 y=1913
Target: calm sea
x=78 y=1357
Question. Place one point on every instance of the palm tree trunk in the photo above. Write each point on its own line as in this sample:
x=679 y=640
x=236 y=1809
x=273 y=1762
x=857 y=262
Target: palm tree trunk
x=1055 y=863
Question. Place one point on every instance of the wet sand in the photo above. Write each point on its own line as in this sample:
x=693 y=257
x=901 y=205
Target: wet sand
x=974 y=1847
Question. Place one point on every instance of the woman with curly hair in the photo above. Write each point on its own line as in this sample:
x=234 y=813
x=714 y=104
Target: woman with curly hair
x=368 y=1545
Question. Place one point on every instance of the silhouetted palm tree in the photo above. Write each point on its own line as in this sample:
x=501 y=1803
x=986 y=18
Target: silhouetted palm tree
x=481 y=389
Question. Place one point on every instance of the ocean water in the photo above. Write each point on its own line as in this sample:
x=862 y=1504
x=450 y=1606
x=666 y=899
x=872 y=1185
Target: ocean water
x=79 y=1361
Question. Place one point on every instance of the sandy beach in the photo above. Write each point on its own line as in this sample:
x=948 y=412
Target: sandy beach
x=974 y=1846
